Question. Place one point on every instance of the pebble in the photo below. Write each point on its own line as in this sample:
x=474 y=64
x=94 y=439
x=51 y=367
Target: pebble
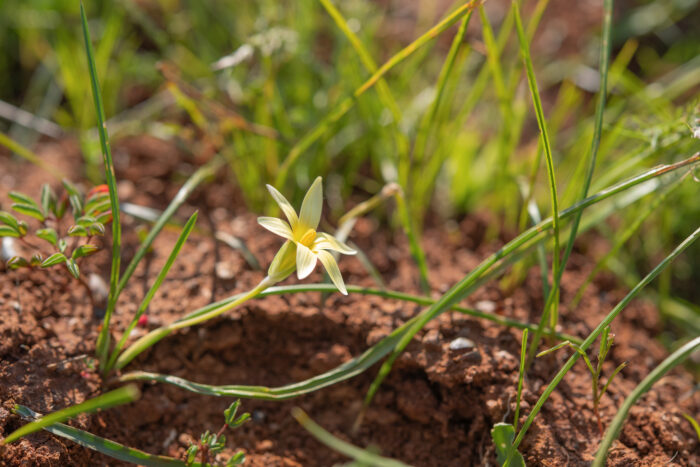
x=224 y=270
x=462 y=343
x=487 y=306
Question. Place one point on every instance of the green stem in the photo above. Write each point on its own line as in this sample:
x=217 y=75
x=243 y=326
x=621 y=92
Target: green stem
x=599 y=330
x=613 y=432
x=157 y=334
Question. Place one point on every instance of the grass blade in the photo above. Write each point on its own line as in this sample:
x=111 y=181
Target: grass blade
x=360 y=455
x=600 y=328
x=539 y=112
x=186 y=230
x=185 y=191
x=349 y=102
x=25 y=153
x=595 y=145
x=383 y=89
x=105 y=446
x=521 y=377
x=119 y=396
x=673 y=360
x=103 y=338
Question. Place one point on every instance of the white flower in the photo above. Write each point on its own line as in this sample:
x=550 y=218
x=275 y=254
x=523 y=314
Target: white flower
x=304 y=245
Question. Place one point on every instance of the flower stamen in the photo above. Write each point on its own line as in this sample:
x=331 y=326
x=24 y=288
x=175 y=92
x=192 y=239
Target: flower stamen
x=308 y=238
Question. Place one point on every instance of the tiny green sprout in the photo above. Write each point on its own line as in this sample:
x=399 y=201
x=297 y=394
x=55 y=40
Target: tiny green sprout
x=213 y=443
x=304 y=244
x=54 y=242
x=606 y=342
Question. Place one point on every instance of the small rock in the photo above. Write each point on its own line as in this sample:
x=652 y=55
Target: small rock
x=462 y=343
x=224 y=271
x=487 y=306
x=264 y=445
x=99 y=287
x=8 y=248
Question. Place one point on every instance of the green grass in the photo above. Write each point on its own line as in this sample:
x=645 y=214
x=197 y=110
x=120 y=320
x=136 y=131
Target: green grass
x=450 y=116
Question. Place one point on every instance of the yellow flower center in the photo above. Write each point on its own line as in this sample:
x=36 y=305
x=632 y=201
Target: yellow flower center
x=308 y=238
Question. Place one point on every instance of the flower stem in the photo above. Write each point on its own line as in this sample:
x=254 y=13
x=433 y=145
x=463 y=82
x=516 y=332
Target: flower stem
x=157 y=334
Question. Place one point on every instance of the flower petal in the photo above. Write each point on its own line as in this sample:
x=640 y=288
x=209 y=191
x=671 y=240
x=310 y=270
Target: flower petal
x=332 y=268
x=326 y=241
x=310 y=214
x=284 y=262
x=276 y=226
x=306 y=261
x=287 y=208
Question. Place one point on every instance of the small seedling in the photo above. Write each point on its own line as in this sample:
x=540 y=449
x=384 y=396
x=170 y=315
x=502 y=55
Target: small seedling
x=606 y=342
x=56 y=241
x=211 y=444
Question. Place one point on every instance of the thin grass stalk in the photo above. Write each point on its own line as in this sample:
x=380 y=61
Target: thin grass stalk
x=621 y=239
x=521 y=377
x=599 y=330
x=539 y=112
x=428 y=119
x=183 y=193
x=30 y=156
x=156 y=335
x=361 y=456
x=458 y=291
x=345 y=105
x=383 y=89
x=613 y=431
x=186 y=230
x=102 y=346
x=552 y=298
x=113 y=398
x=105 y=446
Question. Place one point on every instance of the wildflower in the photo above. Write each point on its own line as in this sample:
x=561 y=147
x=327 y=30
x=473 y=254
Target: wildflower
x=304 y=244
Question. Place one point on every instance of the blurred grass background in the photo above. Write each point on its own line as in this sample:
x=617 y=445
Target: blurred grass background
x=248 y=80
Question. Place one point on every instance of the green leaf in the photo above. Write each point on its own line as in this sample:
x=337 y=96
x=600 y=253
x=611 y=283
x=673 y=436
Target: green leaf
x=77 y=231
x=85 y=221
x=48 y=235
x=694 y=423
x=9 y=220
x=105 y=446
x=503 y=435
x=76 y=204
x=48 y=199
x=237 y=459
x=117 y=397
x=54 y=259
x=62 y=245
x=73 y=268
x=7 y=231
x=97 y=228
x=17 y=262
x=230 y=413
x=21 y=198
x=191 y=454
x=70 y=188
x=98 y=200
x=29 y=210
x=61 y=207
x=105 y=217
x=84 y=250
x=35 y=260
x=23 y=228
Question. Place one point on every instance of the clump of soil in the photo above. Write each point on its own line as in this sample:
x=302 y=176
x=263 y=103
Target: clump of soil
x=436 y=407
